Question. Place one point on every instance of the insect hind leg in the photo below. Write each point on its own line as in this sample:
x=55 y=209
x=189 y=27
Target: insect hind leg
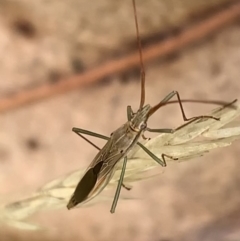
x=120 y=184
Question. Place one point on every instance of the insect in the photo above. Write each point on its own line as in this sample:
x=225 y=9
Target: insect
x=121 y=141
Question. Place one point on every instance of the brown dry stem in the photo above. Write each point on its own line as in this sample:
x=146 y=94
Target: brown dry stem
x=173 y=44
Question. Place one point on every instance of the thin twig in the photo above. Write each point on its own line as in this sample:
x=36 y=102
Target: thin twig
x=190 y=35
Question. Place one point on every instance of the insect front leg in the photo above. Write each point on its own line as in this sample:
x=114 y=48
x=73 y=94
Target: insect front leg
x=173 y=93
x=170 y=96
x=171 y=131
x=129 y=112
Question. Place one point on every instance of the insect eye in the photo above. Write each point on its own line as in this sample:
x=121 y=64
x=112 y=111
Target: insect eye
x=143 y=126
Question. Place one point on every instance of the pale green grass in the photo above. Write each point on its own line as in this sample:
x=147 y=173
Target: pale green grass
x=193 y=140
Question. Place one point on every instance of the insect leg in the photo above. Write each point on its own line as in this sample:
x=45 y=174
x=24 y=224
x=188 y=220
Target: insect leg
x=78 y=131
x=120 y=183
x=171 y=157
x=154 y=157
x=170 y=96
x=126 y=187
x=160 y=130
x=90 y=133
x=129 y=112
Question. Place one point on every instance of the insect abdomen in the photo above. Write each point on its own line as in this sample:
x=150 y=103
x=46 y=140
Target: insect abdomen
x=85 y=186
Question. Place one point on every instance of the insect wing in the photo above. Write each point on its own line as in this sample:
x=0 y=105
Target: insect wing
x=85 y=185
x=97 y=175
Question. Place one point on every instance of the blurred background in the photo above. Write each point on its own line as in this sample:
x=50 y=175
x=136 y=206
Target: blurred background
x=46 y=43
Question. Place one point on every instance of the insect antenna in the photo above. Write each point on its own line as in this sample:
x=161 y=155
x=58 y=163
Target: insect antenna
x=142 y=100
